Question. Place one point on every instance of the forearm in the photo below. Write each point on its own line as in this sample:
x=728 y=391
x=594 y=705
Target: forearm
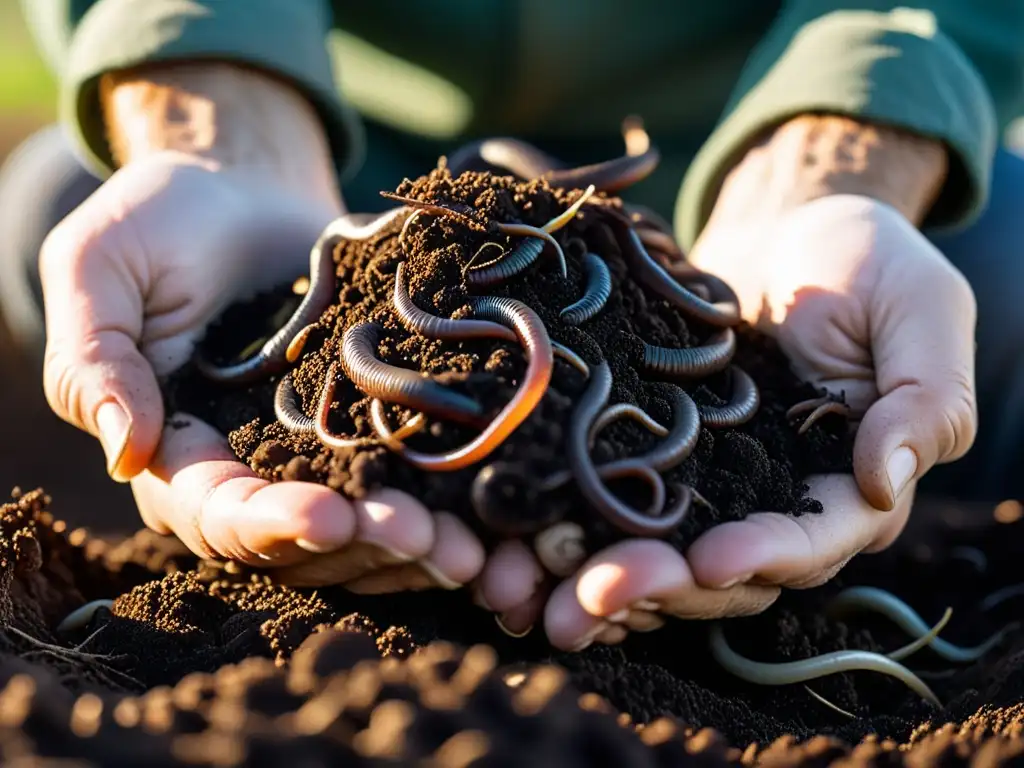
x=814 y=156
x=231 y=117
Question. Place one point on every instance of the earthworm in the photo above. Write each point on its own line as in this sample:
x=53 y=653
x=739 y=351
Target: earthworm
x=521 y=258
x=819 y=406
x=704 y=360
x=652 y=275
x=527 y=162
x=461 y=213
x=743 y=403
x=588 y=477
x=907 y=619
x=786 y=673
x=973 y=555
x=1001 y=596
x=431 y=326
x=287 y=408
x=625 y=410
x=400 y=385
x=595 y=293
x=82 y=615
x=271 y=357
x=533 y=335
x=682 y=436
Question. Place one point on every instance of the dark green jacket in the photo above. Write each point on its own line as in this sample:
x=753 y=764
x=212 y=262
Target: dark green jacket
x=703 y=74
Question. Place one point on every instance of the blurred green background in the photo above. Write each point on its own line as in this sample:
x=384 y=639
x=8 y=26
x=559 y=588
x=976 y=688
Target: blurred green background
x=27 y=90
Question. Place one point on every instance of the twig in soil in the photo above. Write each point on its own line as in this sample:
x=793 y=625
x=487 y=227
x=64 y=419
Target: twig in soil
x=81 y=616
x=819 y=406
x=272 y=356
x=821 y=699
x=786 y=673
x=907 y=619
x=438 y=210
x=744 y=401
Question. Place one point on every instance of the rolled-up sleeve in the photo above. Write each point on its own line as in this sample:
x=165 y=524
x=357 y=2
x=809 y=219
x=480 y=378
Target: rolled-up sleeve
x=285 y=38
x=950 y=70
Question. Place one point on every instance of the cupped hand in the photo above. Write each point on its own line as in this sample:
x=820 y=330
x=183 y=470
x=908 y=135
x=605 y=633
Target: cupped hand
x=131 y=279
x=862 y=304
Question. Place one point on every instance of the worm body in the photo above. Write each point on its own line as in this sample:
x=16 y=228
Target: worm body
x=743 y=403
x=786 y=673
x=81 y=616
x=682 y=437
x=596 y=291
x=272 y=356
x=457 y=211
x=399 y=385
x=588 y=477
x=525 y=230
x=906 y=618
x=532 y=334
x=504 y=268
x=527 y=162
x=628 y=411
x=431 y=326
x=818 y=407
x=323 y=411
x=690 y=362
x=287 y=408
x=651 y=274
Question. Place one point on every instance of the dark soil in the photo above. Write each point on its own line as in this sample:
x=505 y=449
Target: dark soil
x=758 y=466
x=201 y=664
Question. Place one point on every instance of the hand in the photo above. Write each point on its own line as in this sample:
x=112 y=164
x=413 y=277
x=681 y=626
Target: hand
x=861 y=302
x=132 y=278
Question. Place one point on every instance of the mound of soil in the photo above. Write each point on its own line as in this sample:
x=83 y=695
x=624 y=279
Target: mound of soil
x=759 y=465
x=203 y=664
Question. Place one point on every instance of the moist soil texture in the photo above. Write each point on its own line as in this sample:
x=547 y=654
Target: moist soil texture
x=205 y=664
x=759 y=465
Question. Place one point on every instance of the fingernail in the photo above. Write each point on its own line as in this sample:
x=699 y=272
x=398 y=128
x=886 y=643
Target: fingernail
x=733 y=582
x=587 y=640
x=316 y=547
x=511 y=632
x=478 y=599
x=395 y=556
x=646 y=605
x=619 y=616
x=115 y=430
x=900 y=467
x=437 y=577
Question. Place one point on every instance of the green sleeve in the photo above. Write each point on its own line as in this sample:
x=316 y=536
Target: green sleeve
x=83 y=39
x=947 y=69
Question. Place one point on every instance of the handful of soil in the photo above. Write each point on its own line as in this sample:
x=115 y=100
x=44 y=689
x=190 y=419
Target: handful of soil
x=521 y=354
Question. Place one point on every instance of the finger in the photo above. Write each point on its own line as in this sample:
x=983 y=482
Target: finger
x=644 y=576
x=923 y=351
x=218 y=506
x=510 y=576
x=94 y=375
x=792 y=551
x=519 y=621
x=457 y=556
x=455 y=559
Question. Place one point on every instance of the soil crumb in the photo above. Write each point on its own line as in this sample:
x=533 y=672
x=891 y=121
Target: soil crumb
x=205 y=664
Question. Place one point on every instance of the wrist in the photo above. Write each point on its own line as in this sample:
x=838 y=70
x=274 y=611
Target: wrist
x=812 y=156
x=229 y=118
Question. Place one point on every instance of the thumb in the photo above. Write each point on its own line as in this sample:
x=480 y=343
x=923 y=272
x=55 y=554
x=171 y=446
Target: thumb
x=94 y=375
x=923 y=317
